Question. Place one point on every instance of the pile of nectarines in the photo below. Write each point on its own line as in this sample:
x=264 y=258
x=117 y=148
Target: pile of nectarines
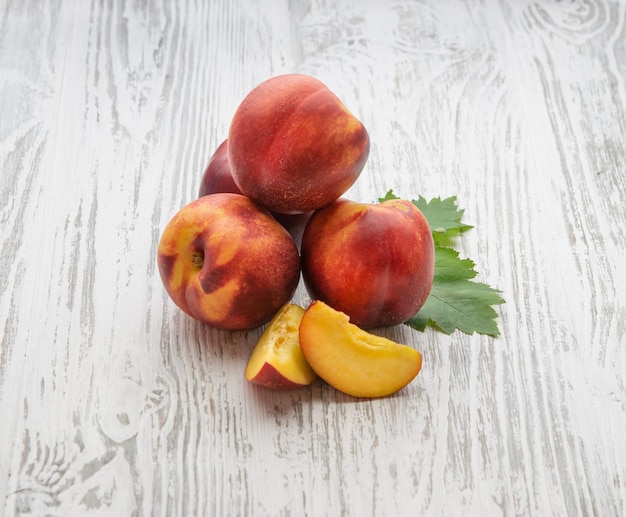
x=269 y=208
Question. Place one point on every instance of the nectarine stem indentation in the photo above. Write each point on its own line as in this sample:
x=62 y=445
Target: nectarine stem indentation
x=197 y=259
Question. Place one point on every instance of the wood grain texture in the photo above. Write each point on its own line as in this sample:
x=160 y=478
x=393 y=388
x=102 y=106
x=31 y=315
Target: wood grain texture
x=115 y=403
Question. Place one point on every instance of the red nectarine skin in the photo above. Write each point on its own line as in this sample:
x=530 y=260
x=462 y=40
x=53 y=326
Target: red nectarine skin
x=217 y=176
x=293 y=146
x=373 y=262
x=226 y=261
x=270 y=377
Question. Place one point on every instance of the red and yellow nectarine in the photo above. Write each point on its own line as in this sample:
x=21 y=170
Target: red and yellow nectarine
x=226 y=261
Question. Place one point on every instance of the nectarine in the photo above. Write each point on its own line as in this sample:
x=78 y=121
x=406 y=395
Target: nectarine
x=375 y=262
x=293 y=146
x=226 y=261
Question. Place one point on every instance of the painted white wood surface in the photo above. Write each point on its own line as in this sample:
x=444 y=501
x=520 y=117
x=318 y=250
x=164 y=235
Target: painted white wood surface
x=112 y=402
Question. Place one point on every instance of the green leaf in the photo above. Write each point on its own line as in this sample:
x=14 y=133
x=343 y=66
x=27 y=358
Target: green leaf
x=444 y=218
x=457 y=302
x=449 y=267
x=388 y=196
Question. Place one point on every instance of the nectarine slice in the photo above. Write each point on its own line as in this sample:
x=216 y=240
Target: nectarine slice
x=352 y=360
x=277 y=361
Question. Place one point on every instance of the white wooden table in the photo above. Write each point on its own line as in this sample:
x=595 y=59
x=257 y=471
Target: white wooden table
x=112 y=402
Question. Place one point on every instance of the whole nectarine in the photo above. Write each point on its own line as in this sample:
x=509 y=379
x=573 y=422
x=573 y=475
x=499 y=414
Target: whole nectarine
x=226 y=261
x=293 y=145
x=374 y=262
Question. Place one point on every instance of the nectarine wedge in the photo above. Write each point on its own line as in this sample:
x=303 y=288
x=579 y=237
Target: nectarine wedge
x=277 y=361
x=352 y=360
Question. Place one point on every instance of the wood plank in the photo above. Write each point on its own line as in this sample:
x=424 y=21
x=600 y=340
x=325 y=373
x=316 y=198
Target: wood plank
x=113 y=401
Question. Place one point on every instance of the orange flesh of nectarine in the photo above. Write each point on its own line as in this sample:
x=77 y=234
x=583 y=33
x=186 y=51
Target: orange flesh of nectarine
x=277 y=361
x=352 y=360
